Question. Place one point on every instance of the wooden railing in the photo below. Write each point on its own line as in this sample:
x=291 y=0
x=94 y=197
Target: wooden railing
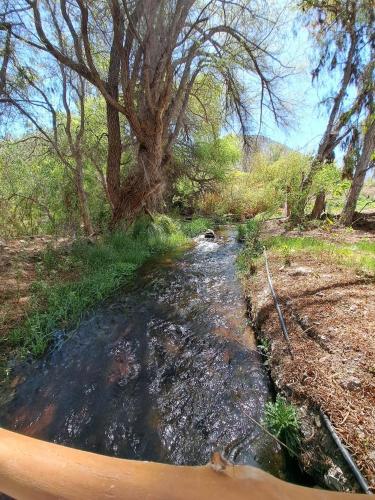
x=32 y=469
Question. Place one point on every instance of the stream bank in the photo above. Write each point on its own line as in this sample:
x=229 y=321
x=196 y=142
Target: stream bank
x=333 y=347
x=167 y=371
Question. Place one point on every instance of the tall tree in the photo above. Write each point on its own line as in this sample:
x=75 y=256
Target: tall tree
x=344 y=30
x=364 y=163
x=144 y=57
x=61 y=130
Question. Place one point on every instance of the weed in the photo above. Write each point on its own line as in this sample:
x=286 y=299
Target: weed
x=49 y=258
x=281 y=420
x=249 y=233
x=265 y=346
x=286 y=253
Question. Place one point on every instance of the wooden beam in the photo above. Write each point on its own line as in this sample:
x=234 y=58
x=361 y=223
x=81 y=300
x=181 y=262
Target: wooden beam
x=33 y=469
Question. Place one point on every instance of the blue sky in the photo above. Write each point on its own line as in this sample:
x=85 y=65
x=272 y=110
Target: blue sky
x=308 y=118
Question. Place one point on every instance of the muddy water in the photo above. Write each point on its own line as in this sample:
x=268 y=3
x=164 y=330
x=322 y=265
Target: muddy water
x=166 y=371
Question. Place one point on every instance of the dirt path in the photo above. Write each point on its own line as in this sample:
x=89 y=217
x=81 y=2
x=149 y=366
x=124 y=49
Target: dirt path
x=330 y=314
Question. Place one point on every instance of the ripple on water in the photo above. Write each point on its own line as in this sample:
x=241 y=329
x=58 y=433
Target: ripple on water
x=165 y=372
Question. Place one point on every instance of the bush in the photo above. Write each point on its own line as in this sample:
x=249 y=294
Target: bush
x=281 y=420
x=249 y=233
x=196 y=226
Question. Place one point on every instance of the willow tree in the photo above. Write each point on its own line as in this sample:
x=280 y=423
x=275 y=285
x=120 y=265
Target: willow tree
x=344 y=32
x=144 y=57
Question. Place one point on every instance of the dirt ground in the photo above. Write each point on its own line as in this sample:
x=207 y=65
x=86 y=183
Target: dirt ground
x=330 y=315
x=18 y=270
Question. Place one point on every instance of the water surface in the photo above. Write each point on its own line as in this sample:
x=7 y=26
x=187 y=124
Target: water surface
x=166 y=371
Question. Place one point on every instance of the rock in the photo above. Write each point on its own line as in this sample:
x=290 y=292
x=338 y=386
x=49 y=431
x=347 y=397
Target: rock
x=317 y=421
x=335 y=479
x=23 y=300
x=300 y=271
x=209 y=234
x=351 y=384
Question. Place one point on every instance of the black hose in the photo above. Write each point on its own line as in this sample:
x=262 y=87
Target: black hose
x=347 y=456
x=277 y=305
x=345 y=453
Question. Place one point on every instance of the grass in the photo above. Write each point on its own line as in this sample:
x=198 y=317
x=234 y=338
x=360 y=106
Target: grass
x=249 y=233
x=94 y=272
x=196 y=226
x=281 y=420
x=359 y=256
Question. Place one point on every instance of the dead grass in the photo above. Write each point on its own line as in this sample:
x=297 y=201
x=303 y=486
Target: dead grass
x=330 y=314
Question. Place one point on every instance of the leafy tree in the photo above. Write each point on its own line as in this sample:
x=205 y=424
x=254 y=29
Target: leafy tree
x=144 y=58
x=343 y=30
x=202 y=166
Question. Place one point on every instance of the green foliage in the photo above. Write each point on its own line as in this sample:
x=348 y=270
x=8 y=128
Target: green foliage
x=273 y=180
x=359 y=256
x=196 y=226
x=100 y=269
x=249 y=233
x=328 y=179
x=265 y=348
x=203 y=167
x=281 y=420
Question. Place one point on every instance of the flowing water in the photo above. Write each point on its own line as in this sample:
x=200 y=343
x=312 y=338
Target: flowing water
x=166 y=371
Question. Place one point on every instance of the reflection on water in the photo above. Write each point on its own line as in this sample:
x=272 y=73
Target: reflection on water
x=166 y=371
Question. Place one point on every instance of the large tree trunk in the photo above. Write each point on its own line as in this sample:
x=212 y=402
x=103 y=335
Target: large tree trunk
x=359 y=175
x=144 y=186
x=329 y=139
x=113 y=155
x=319 y=205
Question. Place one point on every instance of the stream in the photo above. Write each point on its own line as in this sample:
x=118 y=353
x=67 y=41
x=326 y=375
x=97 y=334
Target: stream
x=167 y=370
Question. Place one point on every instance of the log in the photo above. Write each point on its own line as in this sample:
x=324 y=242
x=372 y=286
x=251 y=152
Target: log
x=33 y=469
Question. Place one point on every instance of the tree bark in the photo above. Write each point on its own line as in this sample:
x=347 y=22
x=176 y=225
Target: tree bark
x=319 y=205
x=113 y=155
x=359 y=175
x=329 y=139
x=144 y=187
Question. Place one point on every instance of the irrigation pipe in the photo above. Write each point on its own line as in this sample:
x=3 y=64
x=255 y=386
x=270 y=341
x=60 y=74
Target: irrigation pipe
x=277 y=306
x=345 y=453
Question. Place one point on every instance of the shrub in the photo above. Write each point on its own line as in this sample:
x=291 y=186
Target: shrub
x=281 y=420
x=196 y=226
x=249 y=233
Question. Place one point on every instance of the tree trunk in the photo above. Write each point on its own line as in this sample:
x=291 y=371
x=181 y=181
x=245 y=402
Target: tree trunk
x=359 y=175
x=82 y=201
x=144 y=187
x=113 y=155
x=298 y=210
x=328 y=142
x=319 y=205
x=287 y=204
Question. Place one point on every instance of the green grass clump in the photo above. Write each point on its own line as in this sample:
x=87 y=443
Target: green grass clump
x=359 y=256
x=98 y=270
x=196 y=226
x=281 y=420
x=249 y=233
